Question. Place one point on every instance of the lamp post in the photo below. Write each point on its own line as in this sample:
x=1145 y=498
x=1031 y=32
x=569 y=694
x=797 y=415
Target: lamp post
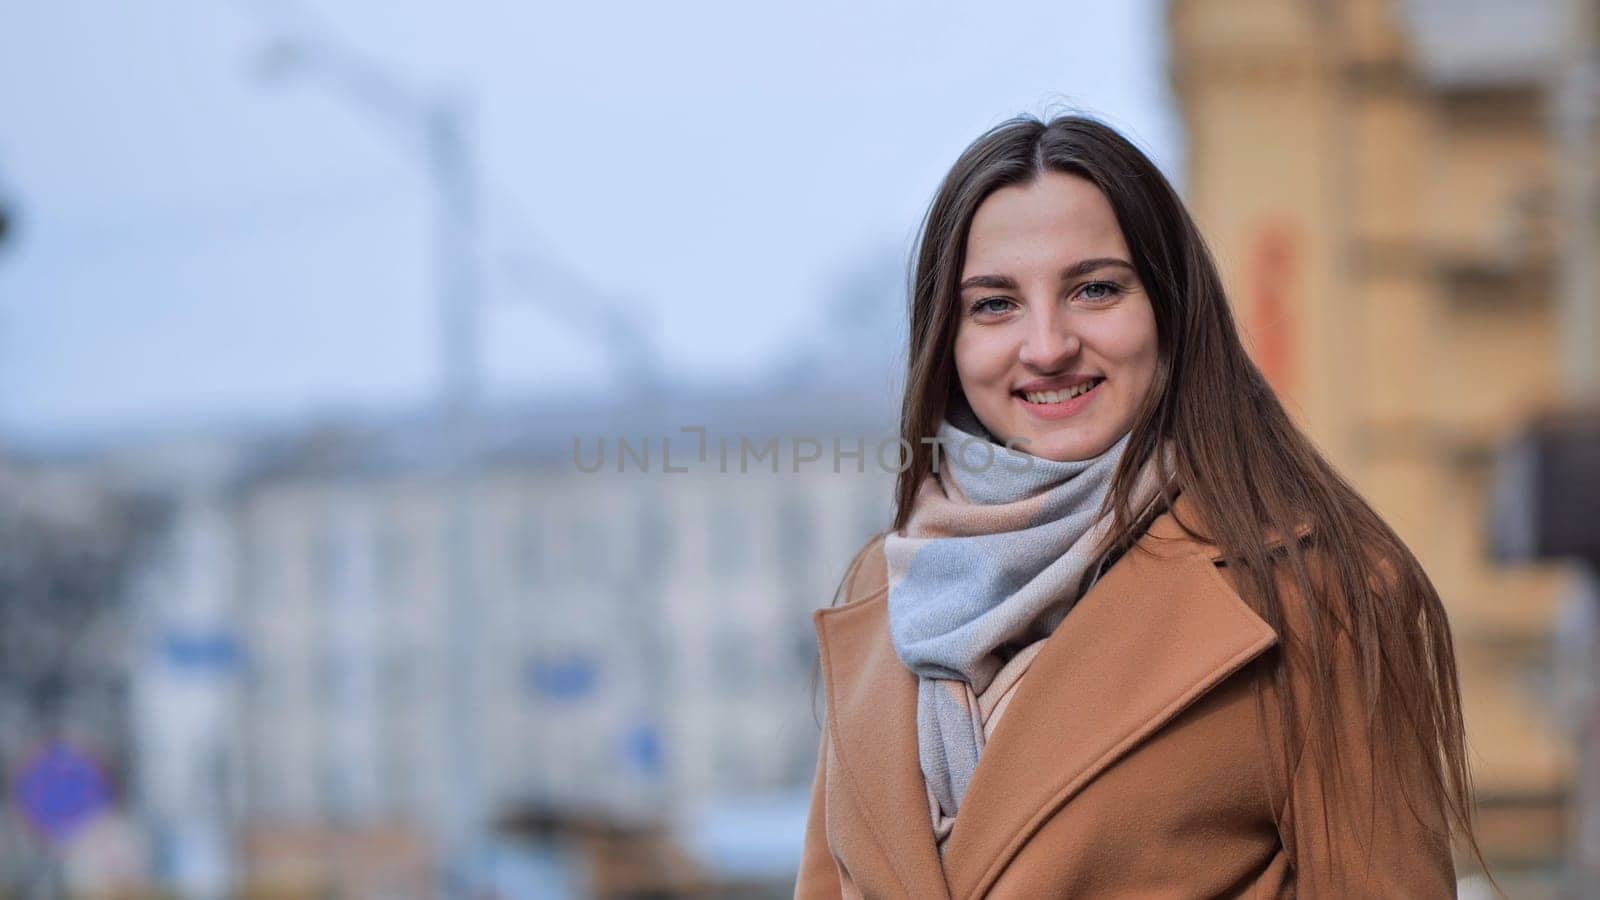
x=437 y=129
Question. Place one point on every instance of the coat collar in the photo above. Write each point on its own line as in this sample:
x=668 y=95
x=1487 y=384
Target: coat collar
x=1158 y=630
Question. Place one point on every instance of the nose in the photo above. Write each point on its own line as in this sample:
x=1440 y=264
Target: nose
x=1050 y=342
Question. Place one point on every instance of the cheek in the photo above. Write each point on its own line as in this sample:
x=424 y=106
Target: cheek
x=1129 y=343
x=979 y=356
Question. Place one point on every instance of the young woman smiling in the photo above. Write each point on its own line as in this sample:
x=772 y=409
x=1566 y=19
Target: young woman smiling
x=1144 y=641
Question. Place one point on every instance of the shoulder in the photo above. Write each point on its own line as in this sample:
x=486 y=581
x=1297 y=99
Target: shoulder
x=1181 y=530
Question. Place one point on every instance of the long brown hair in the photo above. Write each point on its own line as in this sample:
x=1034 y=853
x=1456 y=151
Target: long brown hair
x=1248 y=469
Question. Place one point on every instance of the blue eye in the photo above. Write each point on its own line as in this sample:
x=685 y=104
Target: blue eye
x=1110 y=290
x=983 y=305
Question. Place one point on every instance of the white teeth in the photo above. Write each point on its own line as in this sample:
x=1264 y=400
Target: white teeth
x=1059 y=396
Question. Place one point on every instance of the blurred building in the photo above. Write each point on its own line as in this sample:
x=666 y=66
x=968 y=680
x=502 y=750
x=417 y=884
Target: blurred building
x=1385 y=185
x=644 y=642
x=71 y=541
x=187 y=659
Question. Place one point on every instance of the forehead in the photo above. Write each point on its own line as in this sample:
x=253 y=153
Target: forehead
x=1053 y=220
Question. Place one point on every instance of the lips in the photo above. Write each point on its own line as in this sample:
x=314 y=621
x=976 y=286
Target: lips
x=1040 y=392
x=1057 y=406
x=1059 y=383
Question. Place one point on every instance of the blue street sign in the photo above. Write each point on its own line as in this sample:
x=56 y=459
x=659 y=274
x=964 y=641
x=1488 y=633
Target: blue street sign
x=568 y=678
x=60 y=790
x=214 y=652
x=642 y=747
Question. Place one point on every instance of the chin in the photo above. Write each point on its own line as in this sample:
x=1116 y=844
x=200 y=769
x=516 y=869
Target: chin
x=1060 y=450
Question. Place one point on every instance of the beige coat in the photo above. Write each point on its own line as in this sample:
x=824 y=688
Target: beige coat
x=1131 y=762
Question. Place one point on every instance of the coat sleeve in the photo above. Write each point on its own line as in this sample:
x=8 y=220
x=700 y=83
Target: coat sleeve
x=1393 y=839
x=819 y=877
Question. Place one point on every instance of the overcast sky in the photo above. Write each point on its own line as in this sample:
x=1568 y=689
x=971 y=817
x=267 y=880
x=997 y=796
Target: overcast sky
x=196 y=242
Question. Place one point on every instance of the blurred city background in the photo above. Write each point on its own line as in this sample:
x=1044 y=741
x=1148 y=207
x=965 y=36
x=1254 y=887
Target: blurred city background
x=378 y=383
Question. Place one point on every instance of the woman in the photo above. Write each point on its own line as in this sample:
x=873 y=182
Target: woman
x=1130 y=634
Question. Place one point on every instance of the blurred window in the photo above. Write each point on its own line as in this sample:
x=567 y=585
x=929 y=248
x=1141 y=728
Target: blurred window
x=729 y=543
x=396 y=564
x=797 y=524
x=527 y=551
x=588 y=546
x=653 y=551
x=327 y=561
x=733 y=660
x=872 y=511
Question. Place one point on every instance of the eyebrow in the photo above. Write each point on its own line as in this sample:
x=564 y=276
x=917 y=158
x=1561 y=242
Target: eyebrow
x=1076 y=270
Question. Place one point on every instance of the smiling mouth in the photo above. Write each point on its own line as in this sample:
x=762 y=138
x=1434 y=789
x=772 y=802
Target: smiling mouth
x=1060 y=396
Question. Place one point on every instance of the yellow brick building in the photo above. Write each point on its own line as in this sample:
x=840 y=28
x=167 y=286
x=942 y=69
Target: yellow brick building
x=1382 y=185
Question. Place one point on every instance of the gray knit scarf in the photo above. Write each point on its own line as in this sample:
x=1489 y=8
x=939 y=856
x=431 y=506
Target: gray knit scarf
x=993 y=557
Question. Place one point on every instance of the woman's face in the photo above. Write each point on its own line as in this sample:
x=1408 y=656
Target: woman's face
x=1050 y=304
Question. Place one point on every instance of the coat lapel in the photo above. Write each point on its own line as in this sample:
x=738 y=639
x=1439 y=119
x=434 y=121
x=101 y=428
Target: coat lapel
x=872 y=715
x=1158 y=630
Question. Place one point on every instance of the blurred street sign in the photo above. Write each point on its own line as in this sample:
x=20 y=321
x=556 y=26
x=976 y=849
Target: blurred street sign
x=60 y=790
x=1547 y=492
x=642 y=747
x=206 y=652
x=571 y=677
